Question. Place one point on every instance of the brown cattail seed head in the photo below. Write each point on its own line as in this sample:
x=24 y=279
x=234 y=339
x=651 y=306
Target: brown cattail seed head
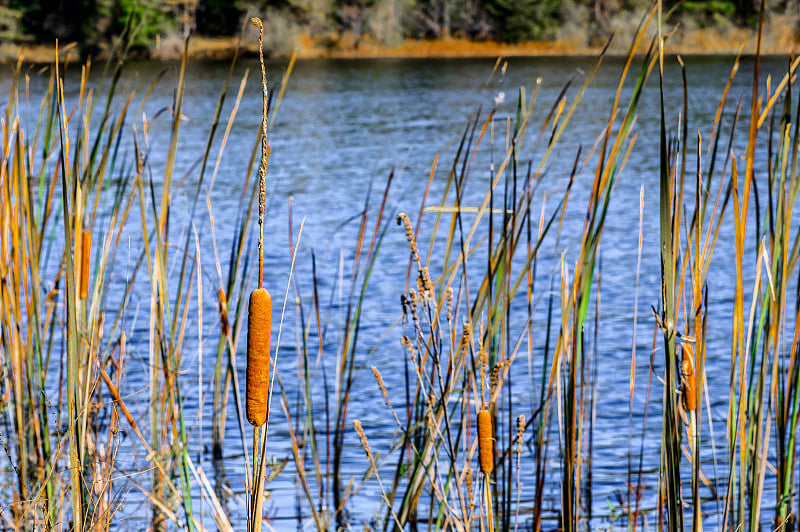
x=427 y=284
x=223 y=312
x=403 y=219
x=363 y=438
x=86 y=252
x=468 y=332
x=405 y=341
x=483 y=359
x=381 y=385
x=485 y=441
x=494 y=377
x=259 y=325
x=470 y=487
x=449 y=296
x=688 y=378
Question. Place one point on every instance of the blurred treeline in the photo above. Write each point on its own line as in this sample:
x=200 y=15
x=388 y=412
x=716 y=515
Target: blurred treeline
x=95 y=22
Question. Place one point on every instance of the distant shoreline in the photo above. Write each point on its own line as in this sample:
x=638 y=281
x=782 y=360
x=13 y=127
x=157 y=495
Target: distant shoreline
x=692 y=42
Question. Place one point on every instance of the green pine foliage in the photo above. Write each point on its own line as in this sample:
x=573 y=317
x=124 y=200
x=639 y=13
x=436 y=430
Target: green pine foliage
x=66 y=20
x=518 y=20
x=218 y=17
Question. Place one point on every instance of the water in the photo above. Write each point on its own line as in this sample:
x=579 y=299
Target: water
x=342 y=128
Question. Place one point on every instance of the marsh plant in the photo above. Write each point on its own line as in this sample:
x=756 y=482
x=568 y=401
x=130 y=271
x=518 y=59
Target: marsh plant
x=490 y=287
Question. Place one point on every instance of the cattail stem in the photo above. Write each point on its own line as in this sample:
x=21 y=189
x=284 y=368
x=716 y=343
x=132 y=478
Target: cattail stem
x=262 y=170
x=256 y=498
x=259 y=323
x=483 y=358
x=488 y=497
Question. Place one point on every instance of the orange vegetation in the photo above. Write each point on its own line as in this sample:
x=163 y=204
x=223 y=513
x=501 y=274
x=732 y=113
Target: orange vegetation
x=697 y=41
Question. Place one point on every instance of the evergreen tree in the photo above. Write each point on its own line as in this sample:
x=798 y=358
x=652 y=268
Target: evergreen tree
x=66 y=20
x=518 y=20
x=218 y=17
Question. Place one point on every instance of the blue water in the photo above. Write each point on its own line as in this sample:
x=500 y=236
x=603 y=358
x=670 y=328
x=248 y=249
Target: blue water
x=342 y=128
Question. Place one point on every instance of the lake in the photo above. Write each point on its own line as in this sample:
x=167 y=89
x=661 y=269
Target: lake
x=342 y=128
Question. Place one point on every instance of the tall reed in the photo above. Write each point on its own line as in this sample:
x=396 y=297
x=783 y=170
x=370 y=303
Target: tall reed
x=490 y=287
x=453 y=320
x=55 y=180
x=761 y=380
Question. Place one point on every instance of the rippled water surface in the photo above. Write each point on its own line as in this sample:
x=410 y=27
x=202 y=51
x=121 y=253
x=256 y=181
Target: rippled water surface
x=342 y=128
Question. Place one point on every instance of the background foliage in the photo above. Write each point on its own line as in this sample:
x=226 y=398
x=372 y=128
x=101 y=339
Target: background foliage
x=94 y=22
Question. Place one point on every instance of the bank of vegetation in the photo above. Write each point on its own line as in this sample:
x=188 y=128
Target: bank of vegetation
x=346 y=26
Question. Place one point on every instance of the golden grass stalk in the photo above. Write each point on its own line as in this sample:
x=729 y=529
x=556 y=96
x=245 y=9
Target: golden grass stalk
x=374 y=467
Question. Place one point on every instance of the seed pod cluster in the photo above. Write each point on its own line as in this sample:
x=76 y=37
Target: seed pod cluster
x=688 y=378
x=485 y=442
x=259 y=325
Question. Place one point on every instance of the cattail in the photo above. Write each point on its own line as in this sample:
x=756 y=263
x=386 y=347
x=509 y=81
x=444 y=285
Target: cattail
x=464 y=342
x=688 y=378
x=470 y=489
x=101 y=320
x=403 y=219
x=259 y=325
x=449 y=296
x=405 y=341
x=427 y=283
x=494 y=377
x=86 y=251
x=485 y=441
x=414 y=300
x=223 y=312
x=381 y=385
x=363 y=438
